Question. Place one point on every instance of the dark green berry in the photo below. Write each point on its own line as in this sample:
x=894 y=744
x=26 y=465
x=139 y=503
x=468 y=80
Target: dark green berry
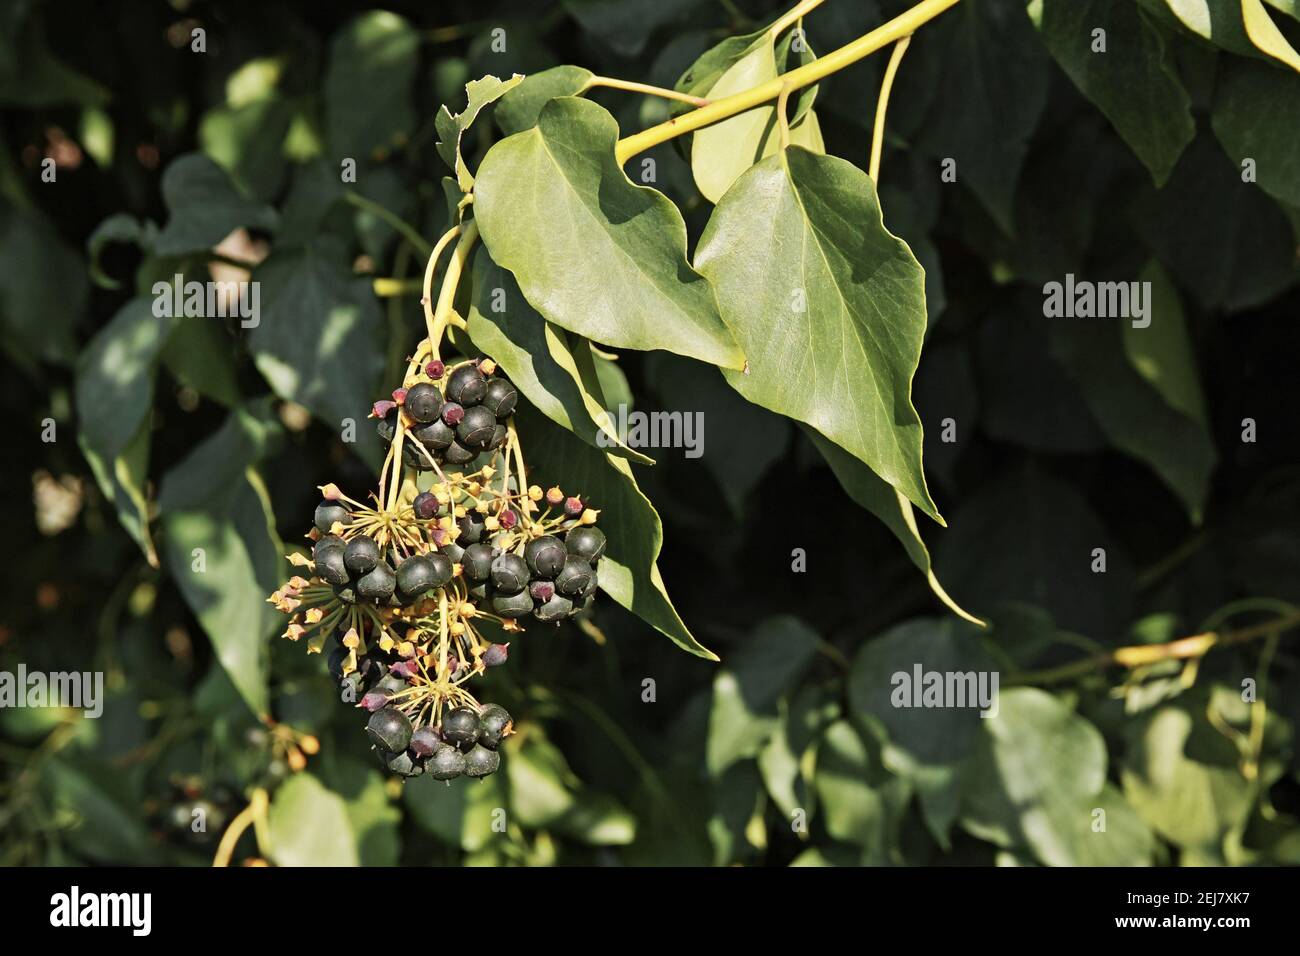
x=500 y=398
x=495 y=725
x=509 y=574
x=446 y=763
x=480 y=591
x=554 y=610
x=512 y=605
x=499 y=435
x=415 y=576
x=328 y=557
x=471 y=529
x=477 y=562
x=338 y=656
x=403 y=764
x=476 y=428
x=458 y=454
x=378 y=585
x=346 y=593
x=389 y=730
x=390 y=684
x=328 y=512
x=480 y=762
x=466 y=385
x=453 y=550
x=587 y=542
x=461 y=727
x=574 y=577
x=361 y=555
x=545 y=555
x=591 y=587
x=423 y=402
x=442 y=569
x=435 y=436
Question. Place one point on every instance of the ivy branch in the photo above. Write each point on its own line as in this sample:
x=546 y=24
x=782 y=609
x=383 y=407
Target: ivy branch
x=1191 y=648
x=903 y=25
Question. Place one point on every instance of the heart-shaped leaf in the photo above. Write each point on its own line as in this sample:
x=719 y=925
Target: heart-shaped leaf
x=520 y=107
x=478 y=93
x=205 y=207
x=592 y=252
x=828 y=306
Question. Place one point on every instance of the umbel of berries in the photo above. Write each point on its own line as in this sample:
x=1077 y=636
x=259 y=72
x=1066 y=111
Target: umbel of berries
x=453 y=545
x=451 y=417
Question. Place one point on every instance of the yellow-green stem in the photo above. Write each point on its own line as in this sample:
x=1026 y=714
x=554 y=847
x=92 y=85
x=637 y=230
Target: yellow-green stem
x=633 y=87
x=902 y=25
x=882 y=107
x=793 y=15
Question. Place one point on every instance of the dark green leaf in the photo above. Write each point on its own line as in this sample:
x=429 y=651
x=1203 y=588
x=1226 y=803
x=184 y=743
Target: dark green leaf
x=519 y=108
x=368 y=103
x=204 y=207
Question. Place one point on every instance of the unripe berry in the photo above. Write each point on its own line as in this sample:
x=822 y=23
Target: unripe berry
x=389 y=729
x=435 y=369
x=496 y=654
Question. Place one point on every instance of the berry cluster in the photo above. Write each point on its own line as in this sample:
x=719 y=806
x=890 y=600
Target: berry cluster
x=406 y=586
x=452 y=425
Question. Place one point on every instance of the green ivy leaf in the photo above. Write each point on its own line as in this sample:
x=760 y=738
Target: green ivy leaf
x=987 y=104
x=858 y=802
x=722 y=152
x=1027 y=536
x=741 y=441
x=319 y=339
x=122 y=481
x=200 y=354
x=788 y=753
x=828 y=306
x=373 y=62
x=247 y=141
x=628 y=572
x=931 y=748
x=1132 y=81
x=1133 y=414
x=1255 y=115
x=1182 y=777
x=1162 y=353
x=770 y=662
x=43 y=289
x=519 y=108
x=460 y=815
x=1038 y=777
x=309 y=825
x=1218 y=22
x=479 y=94
x=1223 y=239
x=536 y=356
x=115 y=376
x=221 y=548
x=204 y=207
x=374 y=820
x=102 y=804
x=1266 y=36
x=626 y=25
x=592 y=252
x=117 y=228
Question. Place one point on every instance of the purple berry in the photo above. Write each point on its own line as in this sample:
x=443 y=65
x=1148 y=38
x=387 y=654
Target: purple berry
x=452 y=414
x=496 y=654
x=425 y=505
x=541 y=590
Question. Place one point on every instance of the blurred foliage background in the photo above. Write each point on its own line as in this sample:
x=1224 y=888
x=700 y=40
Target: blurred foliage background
x=169 y=435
